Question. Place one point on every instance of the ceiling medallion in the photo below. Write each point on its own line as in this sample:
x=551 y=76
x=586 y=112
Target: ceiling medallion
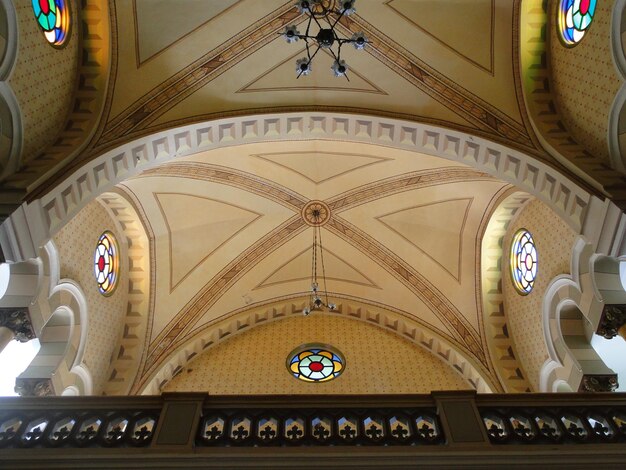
x=316 y=214
x=324 y=15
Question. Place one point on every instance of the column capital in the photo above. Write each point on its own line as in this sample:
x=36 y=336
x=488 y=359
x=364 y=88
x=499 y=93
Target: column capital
x=612 y=319
x=34 y=387
x=599 y=383
x=17 y=319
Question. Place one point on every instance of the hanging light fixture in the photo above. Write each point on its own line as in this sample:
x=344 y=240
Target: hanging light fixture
x=324 y=15
x=316 y=214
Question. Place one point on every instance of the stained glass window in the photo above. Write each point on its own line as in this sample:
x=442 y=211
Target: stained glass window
x=574 y=18
x=315 y=363
x=106 y=263
x=523 y=261
x=53 y=17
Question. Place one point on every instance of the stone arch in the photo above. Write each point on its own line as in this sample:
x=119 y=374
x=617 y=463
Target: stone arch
x=34 y=223
x=394 y=321
x=59 y=316
x=570 y=319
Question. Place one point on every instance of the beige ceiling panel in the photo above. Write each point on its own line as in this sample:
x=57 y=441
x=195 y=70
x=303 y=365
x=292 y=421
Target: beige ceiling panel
x=162 y=23
x=387 y=291
x=197 y=226
x=298 y=269
x=136 y=39
x=320 y=166
x=326 y=171
x=227 y=235
x=469 y=41
x=436 y=229
x=231 y=91
x=423 y=227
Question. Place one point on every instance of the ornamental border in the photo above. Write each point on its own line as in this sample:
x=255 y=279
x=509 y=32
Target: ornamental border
x=60 y=204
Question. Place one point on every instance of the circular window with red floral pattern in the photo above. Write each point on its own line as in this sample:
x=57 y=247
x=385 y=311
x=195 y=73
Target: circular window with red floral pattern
x=315 y=363
x=53 y=17
x=106 y=263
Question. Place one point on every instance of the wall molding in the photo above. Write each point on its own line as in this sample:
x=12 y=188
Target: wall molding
x=36 y=222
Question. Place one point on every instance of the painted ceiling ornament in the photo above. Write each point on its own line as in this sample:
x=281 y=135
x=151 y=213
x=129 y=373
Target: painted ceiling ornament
x=574 y=19
x=324 y=15
x=315 y=363
x=316 y=214
x=523 y=261
x=106 y=263
x=53 y=17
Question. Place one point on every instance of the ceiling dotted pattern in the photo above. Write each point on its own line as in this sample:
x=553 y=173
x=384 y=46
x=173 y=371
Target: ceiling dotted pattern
x=377 y=361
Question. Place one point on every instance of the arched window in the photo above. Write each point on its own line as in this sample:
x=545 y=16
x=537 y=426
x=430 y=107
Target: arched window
x=523 y=261
x=574 y=18
x=315 y=363
x=106 y=263
x=53 y=17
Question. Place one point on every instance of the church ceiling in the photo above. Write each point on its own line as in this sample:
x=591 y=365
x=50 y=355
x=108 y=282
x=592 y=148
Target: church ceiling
x=230 y=231
x=452 y=67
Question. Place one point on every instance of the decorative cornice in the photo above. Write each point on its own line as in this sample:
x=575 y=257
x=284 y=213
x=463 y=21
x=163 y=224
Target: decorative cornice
x=562 y=195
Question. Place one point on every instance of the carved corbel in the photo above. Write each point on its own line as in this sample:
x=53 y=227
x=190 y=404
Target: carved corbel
x=17 y=319
x=612 y=321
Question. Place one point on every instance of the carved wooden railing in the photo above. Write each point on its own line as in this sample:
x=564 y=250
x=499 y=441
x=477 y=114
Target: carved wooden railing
x=187 y=430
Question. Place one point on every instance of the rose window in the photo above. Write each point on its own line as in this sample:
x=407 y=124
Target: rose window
x=574 y=19
x=314 y=363
x=523 y=261
x=106 y=263
x=53 y=17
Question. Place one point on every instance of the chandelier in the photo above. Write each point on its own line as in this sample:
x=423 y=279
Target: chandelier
x=324 y=16
x=316 y=214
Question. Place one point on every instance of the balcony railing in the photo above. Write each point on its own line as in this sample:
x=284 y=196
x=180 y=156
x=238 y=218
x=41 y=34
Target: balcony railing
x=186 y=430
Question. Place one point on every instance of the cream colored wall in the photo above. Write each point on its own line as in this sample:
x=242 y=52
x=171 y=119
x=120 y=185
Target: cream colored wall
x=76 y=243
x=585 y=81
x=554 y=240
x=43 y=79
x=377 y=361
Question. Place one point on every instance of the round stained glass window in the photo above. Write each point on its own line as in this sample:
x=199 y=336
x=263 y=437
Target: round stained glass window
x=53 y=17
x=106 y=263
x=574 y=18
x=523 y=261
x=315 y=363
